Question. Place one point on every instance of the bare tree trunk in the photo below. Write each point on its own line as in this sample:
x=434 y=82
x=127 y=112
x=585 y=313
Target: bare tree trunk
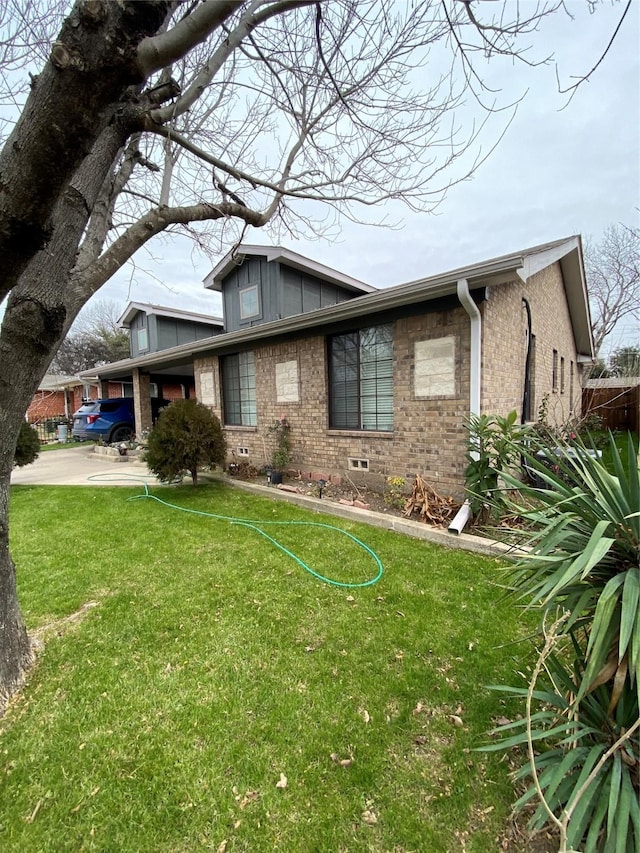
x=15 y=649
x=92 y=64
x=40 y=310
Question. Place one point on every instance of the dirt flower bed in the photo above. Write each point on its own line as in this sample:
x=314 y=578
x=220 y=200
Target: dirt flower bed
x=414 y=500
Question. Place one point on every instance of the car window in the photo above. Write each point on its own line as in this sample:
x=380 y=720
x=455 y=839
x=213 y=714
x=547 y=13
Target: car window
x=110 y=406
x=87 y=409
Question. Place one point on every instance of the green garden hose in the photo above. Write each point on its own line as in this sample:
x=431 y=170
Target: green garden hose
x=257 y=524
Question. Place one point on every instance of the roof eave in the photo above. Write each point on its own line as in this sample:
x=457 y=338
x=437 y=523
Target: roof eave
x=378 y=302
x=213 y=281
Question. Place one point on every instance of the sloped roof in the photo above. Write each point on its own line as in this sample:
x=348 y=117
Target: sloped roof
x=58 y=382
x=163 y=311
x=235 y=257
x=496 y=271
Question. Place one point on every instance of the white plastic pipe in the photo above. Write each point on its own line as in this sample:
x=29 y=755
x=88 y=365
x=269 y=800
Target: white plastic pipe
x=462 y=517
x=476 y=344
x=464 y=514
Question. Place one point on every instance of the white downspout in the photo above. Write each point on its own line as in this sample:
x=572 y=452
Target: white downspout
x=464 y=514
x=476 y=344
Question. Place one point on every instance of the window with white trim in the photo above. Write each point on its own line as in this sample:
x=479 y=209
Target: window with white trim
x=249 y=302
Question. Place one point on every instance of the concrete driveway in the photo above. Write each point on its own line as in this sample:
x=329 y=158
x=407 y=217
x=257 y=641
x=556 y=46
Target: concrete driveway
x=77 y=466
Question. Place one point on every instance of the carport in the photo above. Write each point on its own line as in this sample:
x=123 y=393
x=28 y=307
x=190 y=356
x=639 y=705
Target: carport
x=155 y=381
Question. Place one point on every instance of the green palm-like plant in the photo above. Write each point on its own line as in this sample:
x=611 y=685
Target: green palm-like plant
x=584 y=554
x=582 y=561
x=586 y=767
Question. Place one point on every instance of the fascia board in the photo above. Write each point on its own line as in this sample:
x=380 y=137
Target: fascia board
x=535 y=261
x=160 y=311
x=213 y=281
x=568 y=253
x=361 y=306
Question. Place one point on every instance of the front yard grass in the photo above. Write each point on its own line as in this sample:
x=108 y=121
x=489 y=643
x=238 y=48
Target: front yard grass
x=65 y=445
x=217 y=697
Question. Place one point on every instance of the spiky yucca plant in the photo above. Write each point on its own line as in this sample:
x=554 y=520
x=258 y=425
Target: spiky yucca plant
x=583 y=562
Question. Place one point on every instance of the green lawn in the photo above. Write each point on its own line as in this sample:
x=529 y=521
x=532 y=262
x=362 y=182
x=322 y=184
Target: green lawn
x=64 y=445
x=214 y=667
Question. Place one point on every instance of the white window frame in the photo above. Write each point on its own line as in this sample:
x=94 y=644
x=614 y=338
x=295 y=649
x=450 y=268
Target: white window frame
x=242 y=293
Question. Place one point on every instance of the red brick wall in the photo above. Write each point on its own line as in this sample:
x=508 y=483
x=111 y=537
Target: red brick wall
x=46 y=404
x=174 y=392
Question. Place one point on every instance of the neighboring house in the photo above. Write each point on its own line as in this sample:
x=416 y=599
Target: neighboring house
x=152 y=328
x=616 y=401
x=379 y=383
x=57 y=397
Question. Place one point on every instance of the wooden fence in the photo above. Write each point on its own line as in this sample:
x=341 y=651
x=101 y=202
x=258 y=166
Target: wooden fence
x=619 y=408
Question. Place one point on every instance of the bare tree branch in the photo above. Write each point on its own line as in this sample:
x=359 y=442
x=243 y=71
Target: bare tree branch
x=582 y=79
x=154 y=52
x=308 y=112
x=613 y=278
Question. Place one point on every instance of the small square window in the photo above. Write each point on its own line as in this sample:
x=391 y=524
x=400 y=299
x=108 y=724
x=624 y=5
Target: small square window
x=249 y=302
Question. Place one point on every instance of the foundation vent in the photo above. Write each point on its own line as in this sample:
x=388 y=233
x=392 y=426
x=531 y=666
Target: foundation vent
x=358 y=464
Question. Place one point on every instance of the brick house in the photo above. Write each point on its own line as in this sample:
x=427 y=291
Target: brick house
x=378 y=382
x=59 y=396
x=55 y=398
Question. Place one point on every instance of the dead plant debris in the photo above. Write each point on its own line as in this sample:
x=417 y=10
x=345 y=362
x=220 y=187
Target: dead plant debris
x=431 y=507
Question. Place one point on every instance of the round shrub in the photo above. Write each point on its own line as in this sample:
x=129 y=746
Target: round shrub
x=186 y=437
x=27 y=446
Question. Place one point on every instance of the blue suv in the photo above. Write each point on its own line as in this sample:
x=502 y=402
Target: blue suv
x=110 y=420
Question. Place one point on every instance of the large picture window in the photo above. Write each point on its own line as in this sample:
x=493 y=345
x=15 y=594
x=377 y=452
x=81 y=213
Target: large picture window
x=239 y=389
x=361 y=379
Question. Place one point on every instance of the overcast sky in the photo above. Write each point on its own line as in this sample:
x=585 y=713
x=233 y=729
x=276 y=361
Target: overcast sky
x=556 y=173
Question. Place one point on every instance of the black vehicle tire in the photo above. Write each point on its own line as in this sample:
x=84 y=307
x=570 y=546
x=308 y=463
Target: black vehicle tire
x=120 y=433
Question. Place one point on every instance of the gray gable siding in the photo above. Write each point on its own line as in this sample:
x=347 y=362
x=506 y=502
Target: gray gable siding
x=282 y=292
x=172 y=332
x=140 y=321
x=165 y=332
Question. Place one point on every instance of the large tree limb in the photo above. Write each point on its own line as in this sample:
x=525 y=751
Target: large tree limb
x=156 y=52
x=91 y=66
x=232 y=40
x=154 y=222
